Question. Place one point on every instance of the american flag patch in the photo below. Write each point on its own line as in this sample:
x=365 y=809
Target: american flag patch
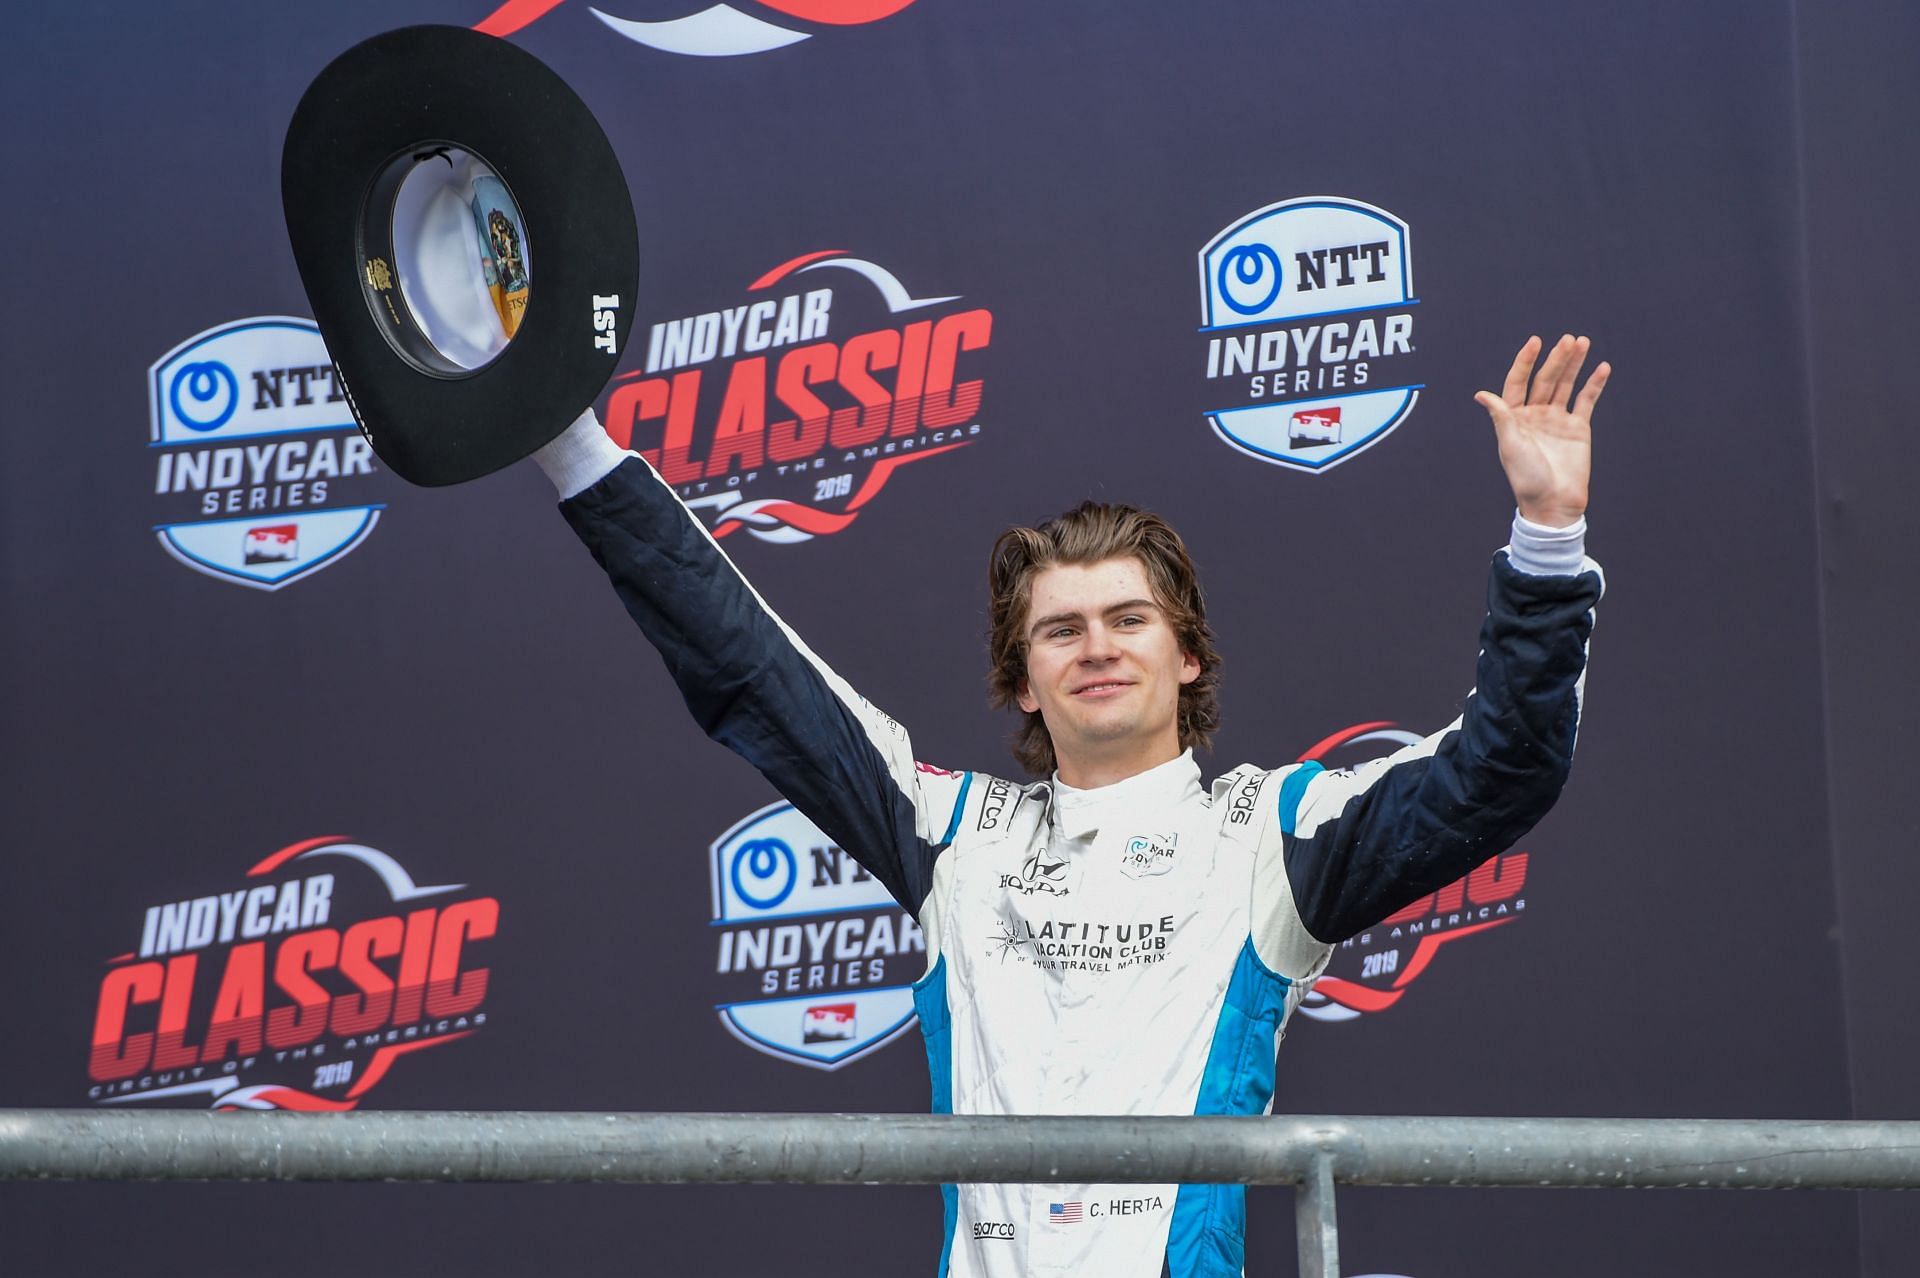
x=1063 y=1213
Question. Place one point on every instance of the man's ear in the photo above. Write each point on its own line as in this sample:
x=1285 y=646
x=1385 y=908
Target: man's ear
x=1024 y=698
x=1189 y=667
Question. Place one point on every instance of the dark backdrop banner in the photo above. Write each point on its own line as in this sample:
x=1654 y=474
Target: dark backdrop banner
x=324 y=792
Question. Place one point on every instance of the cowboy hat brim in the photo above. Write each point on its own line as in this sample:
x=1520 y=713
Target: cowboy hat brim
x=403 y=98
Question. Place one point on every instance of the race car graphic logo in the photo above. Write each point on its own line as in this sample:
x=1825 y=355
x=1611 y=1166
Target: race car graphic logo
x=1314 y=426
x=816 y=960
x=786 y=413
x=717 y=31
x=1306 y=310
x=276 y=545
x=301 y=988
x=254 y=450
x=1373 y=971
x=832 y=1023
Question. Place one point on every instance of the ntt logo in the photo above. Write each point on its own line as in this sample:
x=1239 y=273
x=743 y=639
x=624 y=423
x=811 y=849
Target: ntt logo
x=260 y=476
x=814 y=960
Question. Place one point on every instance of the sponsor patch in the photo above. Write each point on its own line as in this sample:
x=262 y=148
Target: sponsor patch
x=1080 y=945
x=1041 y=872
x=1148 y=855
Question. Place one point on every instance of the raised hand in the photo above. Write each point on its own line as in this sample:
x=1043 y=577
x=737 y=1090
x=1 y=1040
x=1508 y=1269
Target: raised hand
x=1545 y=447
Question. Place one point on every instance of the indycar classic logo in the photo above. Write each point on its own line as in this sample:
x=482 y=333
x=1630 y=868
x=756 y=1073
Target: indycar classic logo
x=765 y=419
x=253 y=449
x=816 y=960
x=1306 y=308
x=717 y=31
x=1374 y=970
x=298 y=989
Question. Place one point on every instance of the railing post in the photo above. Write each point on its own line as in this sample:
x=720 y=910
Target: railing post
x=1314 y=1222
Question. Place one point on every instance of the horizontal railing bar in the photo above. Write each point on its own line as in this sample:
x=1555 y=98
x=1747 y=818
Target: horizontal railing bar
x=90 y=1144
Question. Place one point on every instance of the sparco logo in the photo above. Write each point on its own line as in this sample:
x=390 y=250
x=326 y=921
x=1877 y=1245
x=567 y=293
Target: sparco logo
x=1306 y=309
x=299 y=989
x=1246 y=797
x=990 y=1229
x=993 y=808
x=759 y=415
x=253 y=450
x=721 y=30
x=816 y=961
x=1373 y=971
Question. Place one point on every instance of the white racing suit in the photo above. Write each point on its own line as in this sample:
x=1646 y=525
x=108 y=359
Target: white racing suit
x=1129 y=950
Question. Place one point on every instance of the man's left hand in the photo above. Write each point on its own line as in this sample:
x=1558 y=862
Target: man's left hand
x=1545 y=447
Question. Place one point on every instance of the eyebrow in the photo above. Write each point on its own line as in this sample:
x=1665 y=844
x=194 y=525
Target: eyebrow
x=1054 y=619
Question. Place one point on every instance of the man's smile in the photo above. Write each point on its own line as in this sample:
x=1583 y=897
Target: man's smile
x=1105 y=688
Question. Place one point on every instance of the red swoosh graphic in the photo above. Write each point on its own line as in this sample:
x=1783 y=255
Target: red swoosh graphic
x=882 y=470
x=839 y=13
x=290 y=851
x=1340 y=738
x=812 y=519
x=787 y=268
x=294 y=1098
x=514 y=14
x=1359 y=997
x=1364 y=998
x=806 y=518
x=384 y=1058
x=1423 y=952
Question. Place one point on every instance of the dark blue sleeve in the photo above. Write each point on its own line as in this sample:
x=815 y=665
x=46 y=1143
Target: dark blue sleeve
x=754 y=687
x=1361 y=843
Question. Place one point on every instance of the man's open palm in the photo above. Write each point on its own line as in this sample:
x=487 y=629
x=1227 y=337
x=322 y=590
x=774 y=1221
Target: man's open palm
x=1545 y=447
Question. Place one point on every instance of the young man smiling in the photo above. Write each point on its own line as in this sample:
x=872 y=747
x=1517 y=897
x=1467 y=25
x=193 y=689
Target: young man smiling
x=1104 y=669
x=1120 y=938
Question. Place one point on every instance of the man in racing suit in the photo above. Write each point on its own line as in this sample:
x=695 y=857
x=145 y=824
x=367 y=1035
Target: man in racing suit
x=1121 y=938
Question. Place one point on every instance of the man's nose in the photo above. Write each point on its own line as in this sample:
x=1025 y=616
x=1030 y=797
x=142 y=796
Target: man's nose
x=1099 y=646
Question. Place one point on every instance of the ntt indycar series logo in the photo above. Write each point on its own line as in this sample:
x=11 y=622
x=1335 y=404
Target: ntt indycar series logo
x=300 y=987
x=255 y=455
x=712 y=30
x=787 y=411
x=815 y=959
x=1306 y=309
x=1373 y=971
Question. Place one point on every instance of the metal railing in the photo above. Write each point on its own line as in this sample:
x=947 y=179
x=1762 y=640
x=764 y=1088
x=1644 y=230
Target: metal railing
x=1313 y=1154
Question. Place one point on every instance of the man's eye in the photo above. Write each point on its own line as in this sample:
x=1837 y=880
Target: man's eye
x=1062 y=633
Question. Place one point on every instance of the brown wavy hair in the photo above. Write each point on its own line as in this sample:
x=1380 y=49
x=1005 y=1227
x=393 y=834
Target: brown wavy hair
x=1087 y=534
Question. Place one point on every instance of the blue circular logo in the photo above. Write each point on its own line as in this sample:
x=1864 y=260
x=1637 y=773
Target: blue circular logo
x=209 y=385
x=1249 y=266
x=770 y=864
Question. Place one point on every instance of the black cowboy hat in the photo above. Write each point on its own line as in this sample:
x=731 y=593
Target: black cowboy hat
x=424 y=95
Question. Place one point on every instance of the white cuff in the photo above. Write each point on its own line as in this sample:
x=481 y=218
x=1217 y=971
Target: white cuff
x=1547 y=552
x=580 y=457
